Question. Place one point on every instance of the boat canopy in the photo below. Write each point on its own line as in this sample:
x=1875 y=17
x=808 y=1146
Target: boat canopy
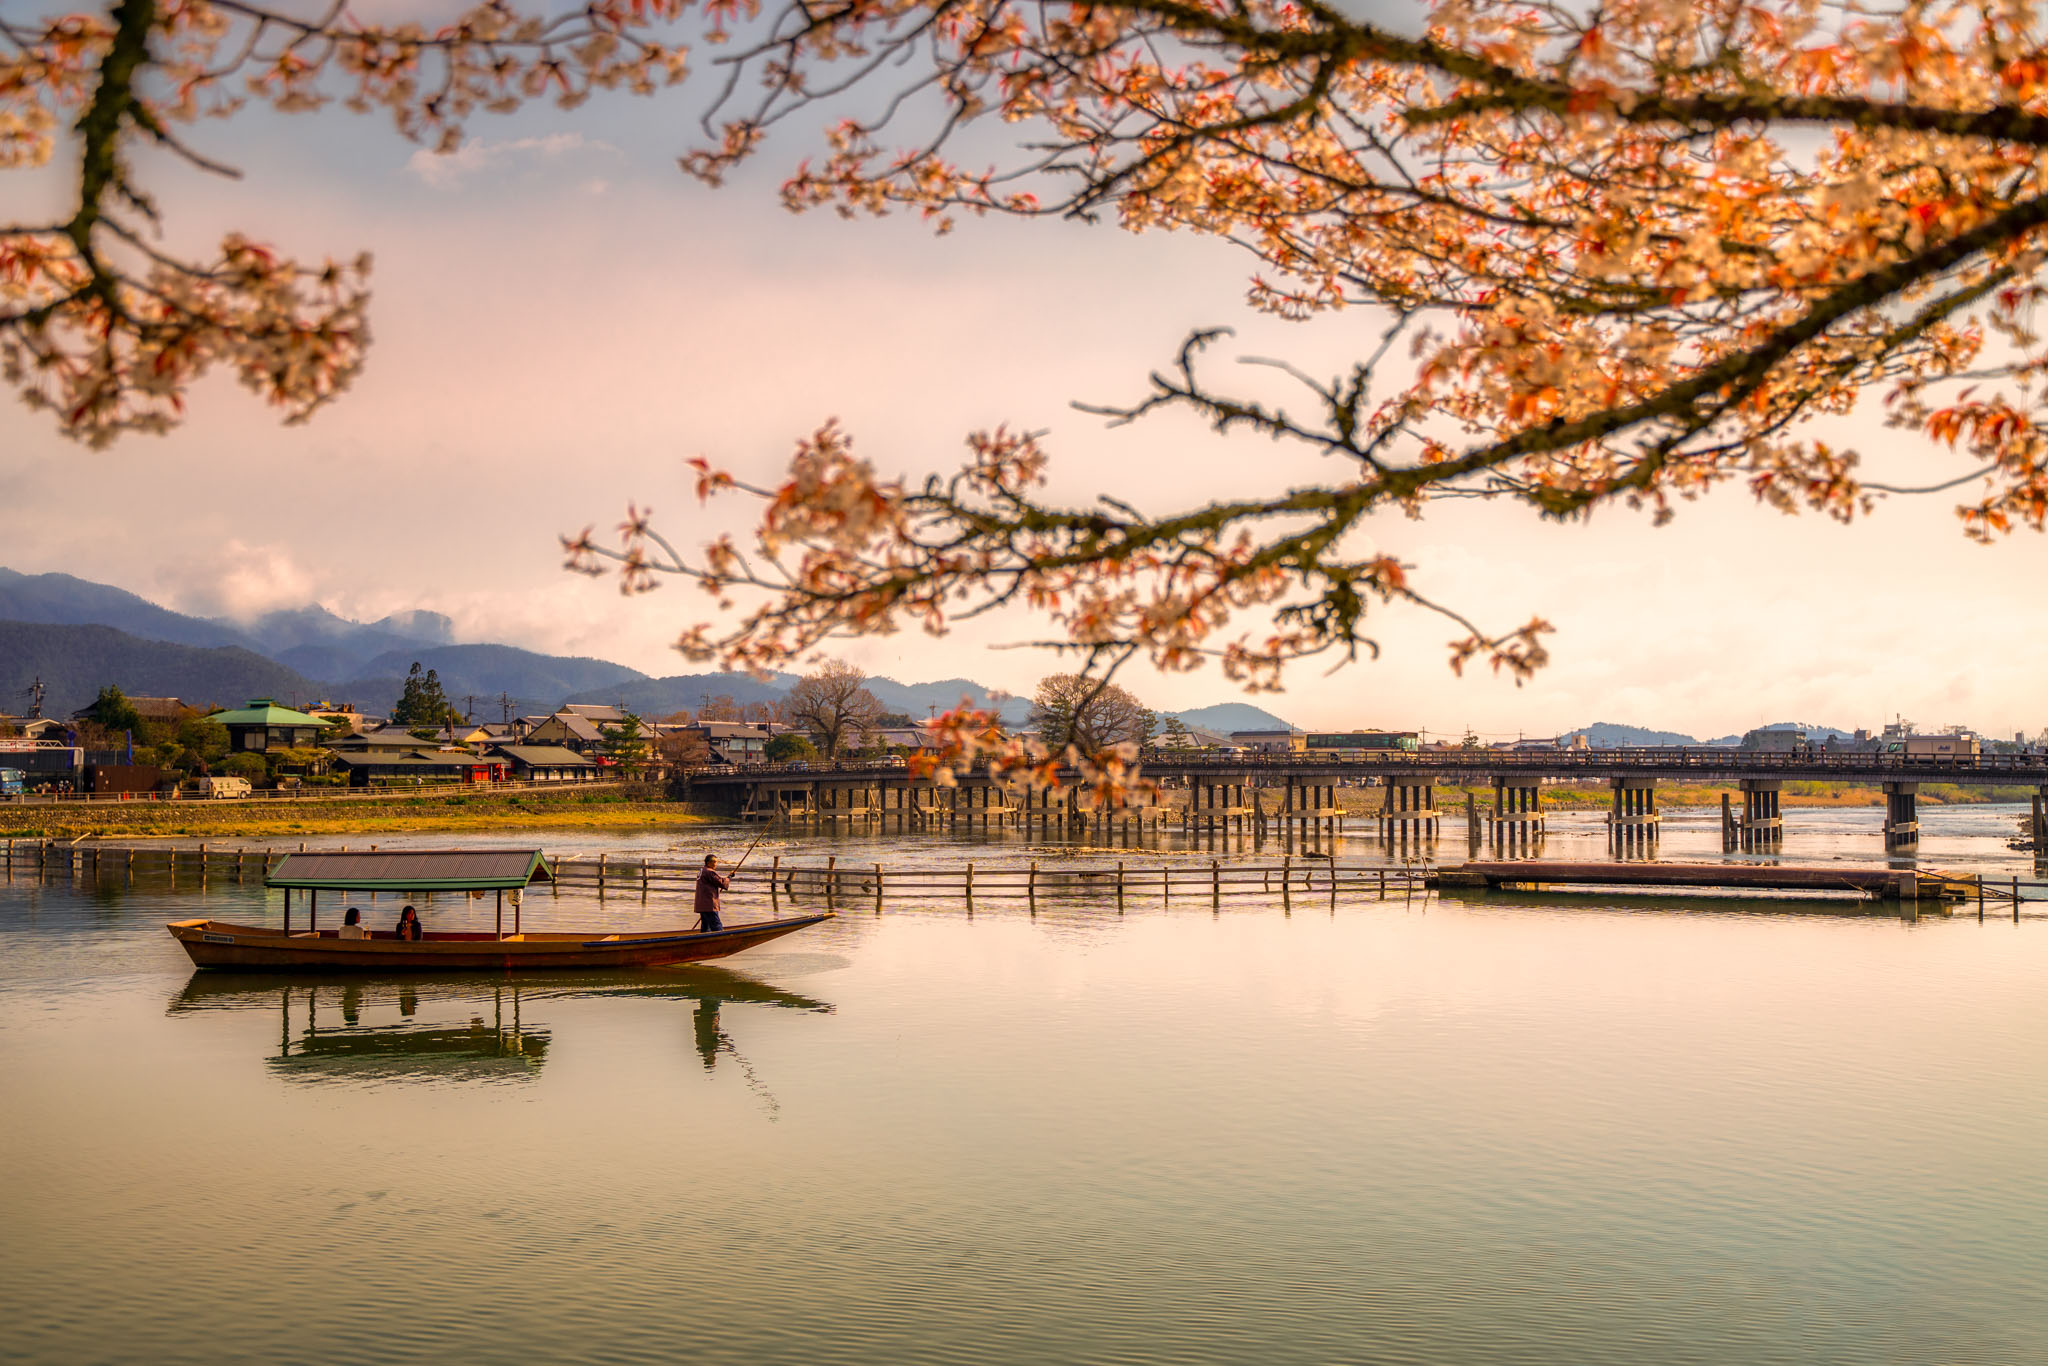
x=412 y=870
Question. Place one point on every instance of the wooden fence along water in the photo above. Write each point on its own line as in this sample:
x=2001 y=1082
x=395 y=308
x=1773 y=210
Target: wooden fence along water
x=830 y=882
x=855 y=885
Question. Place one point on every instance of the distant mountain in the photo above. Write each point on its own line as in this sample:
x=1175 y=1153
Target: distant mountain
x=1813 y=732
x=536 y=682
x=919 y=699
x=315 y=653
x=61 y=600
x=75 y=662
x=1610 y=735
x=655 y=697
x=321 y=644
x=1225 y=717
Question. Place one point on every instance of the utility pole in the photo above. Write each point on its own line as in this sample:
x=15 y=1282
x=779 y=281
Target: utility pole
x=35 y=704
x=469 y=701
x=505 y=703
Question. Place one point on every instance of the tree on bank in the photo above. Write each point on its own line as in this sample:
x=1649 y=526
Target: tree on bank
x=1091 y=714
x=113 y=712
x=835 y=706
x=422 y=707
x=1619 y=254
x=788 y=747
x=625 y=744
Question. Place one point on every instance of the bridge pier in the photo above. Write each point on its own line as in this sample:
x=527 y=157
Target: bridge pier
x=1517 y=817
x=1409 y=811
x=1633 y=824
x=1215 y=808
x=1311 y=806
x=1761 y=827
x=1902 y=815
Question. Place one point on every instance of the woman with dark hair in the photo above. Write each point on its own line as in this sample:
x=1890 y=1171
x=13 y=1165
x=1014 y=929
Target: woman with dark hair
x=408 y=926
x=352 y=925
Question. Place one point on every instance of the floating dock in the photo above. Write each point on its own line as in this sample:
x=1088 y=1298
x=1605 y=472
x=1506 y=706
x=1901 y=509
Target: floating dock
x=1877 y=884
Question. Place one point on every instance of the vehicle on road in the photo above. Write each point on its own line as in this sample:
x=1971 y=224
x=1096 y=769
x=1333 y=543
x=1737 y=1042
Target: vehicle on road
x=218 y=785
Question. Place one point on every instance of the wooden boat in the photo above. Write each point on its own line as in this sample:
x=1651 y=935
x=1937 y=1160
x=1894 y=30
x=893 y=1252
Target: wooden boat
x=221 y=944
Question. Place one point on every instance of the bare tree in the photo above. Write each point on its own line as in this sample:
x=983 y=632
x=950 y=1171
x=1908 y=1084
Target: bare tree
x=835 y=706
x=719 y=708
x=684 y=748
x=1090 y=714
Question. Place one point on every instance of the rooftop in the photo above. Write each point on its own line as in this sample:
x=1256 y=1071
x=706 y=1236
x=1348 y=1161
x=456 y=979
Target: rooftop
x=413 y=870
x=262 y=711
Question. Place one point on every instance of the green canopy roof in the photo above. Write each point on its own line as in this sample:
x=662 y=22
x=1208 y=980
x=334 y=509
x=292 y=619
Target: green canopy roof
x=412 y=870
x=262 y=711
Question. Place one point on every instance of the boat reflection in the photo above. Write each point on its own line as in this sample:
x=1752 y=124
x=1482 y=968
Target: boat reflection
x=458 y=1029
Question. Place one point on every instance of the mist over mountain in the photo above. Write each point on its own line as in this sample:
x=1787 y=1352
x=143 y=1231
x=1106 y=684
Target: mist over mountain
x=320 y=644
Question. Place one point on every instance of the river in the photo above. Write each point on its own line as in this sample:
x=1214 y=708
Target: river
x=1500 y=1130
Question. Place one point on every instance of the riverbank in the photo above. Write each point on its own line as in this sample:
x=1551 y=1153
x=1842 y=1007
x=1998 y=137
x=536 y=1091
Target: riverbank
x=464 y=813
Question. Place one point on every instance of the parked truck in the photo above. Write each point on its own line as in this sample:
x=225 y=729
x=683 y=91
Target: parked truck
x=13 y=782
x=218 y=785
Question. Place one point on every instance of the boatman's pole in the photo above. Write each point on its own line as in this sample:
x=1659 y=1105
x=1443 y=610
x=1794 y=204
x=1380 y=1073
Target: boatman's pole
x=750 y=851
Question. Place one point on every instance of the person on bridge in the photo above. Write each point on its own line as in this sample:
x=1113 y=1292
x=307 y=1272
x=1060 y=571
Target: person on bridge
x=711 y=885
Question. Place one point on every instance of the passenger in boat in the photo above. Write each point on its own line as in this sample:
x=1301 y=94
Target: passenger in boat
x=352 y=926
x=711 y=885
x=408 y=926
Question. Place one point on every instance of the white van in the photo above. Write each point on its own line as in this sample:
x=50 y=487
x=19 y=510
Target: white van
x=218 y=786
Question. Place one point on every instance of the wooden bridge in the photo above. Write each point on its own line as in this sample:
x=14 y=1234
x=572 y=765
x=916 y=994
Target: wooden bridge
x=1297 y=793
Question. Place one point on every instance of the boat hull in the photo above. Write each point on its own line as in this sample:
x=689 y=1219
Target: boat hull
x=218 y=944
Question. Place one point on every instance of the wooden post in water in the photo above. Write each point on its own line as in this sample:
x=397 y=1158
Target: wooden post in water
x=970 y=887
x=1215 y=884
x=2015 y=901
x=1119 y=888
x=1031 y=888
x=878 y=879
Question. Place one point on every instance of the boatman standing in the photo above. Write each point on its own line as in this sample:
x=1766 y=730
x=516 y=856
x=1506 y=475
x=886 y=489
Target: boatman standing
x=711 y=885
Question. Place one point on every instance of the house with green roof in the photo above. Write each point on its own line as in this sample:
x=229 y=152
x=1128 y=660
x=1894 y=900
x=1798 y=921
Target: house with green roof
x=263 y=725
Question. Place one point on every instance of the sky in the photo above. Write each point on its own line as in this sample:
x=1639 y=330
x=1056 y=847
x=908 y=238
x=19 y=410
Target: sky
x=562 y=318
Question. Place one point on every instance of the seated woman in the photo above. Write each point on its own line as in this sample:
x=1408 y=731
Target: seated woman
x=408 y=926
x=352 y=926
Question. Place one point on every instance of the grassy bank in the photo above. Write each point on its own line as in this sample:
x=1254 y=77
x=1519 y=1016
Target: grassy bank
x=465 y=813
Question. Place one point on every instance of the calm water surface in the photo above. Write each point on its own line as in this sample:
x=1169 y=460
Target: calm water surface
x=1496 y=1131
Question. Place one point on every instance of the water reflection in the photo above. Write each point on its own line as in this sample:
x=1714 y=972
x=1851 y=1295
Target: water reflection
x=458 y=1029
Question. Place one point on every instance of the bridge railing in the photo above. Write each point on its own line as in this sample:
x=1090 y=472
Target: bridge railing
x=1821 y=764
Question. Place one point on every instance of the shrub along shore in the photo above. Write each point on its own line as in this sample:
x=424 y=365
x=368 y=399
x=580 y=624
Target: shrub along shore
x=471 y=813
